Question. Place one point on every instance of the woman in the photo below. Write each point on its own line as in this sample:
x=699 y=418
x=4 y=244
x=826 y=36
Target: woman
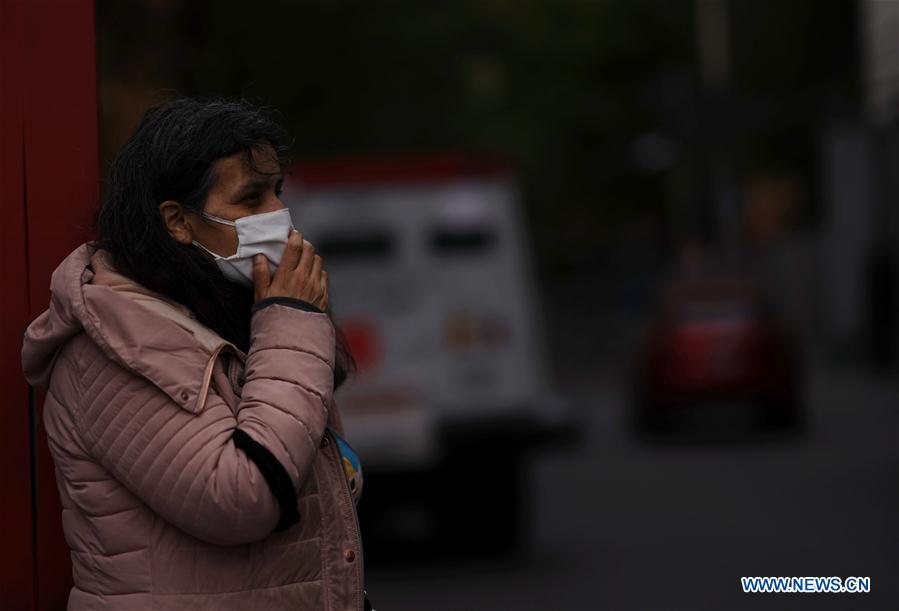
x=190 y=368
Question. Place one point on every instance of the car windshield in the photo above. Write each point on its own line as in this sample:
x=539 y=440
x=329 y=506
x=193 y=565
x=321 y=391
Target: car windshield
x=455 y=240
x=370 y=245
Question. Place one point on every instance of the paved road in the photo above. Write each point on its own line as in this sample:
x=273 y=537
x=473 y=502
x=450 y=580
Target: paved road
x=622 y=525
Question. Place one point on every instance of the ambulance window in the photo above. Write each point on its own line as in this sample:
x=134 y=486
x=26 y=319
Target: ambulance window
x=371 y=246
x=458 y=240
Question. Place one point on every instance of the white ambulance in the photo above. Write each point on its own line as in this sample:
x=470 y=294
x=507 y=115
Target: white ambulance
x=431 y=281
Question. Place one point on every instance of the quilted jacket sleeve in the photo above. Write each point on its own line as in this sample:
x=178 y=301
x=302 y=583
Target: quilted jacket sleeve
x=194 y=470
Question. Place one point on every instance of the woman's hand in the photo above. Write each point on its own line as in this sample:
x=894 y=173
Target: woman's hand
x=300 y=274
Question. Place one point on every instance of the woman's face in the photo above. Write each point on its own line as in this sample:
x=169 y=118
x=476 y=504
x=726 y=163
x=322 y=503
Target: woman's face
x=238 y=191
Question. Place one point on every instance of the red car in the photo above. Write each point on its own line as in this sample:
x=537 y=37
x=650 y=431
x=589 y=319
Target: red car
x=716 y=354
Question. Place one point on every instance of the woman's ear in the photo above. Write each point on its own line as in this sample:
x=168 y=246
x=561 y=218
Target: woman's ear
x=176 y=222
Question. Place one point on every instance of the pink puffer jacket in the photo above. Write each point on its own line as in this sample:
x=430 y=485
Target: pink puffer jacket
x=192 y=475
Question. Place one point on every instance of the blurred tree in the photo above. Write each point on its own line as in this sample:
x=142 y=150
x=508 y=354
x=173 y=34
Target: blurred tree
x=565 y=88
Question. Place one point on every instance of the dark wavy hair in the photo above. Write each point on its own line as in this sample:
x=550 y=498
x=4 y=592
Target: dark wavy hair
x=170 y=157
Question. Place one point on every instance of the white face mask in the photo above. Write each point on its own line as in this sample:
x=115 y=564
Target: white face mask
x=265 y=233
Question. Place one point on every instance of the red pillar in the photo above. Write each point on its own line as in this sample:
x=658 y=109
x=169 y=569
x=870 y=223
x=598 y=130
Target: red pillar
x=49 y=187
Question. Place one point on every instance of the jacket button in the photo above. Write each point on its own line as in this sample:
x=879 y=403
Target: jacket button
x=324 y=442
x=350 y=555
x=185 y=395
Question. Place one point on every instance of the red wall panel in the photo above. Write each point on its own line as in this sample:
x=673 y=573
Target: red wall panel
x=49 y=187
x=16 y=562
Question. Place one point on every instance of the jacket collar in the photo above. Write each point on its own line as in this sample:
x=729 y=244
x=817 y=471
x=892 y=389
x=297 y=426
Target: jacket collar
x=145 y=332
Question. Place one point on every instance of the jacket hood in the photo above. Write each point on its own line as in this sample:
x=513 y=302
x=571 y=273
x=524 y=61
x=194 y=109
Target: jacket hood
x=141 y=330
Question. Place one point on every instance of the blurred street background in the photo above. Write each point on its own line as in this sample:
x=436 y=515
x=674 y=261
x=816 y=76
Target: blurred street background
x=657 y=347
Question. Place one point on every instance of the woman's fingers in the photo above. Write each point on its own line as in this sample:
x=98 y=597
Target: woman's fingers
x=324 y=299
x=289 y=259
x=307 y=258
x=292 y=251
x=299 y=275
x=317 y=278
x=315 y=273
x=261 y=278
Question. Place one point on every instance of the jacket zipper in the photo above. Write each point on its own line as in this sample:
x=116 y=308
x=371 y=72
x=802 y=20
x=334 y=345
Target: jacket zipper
x=355 y=523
